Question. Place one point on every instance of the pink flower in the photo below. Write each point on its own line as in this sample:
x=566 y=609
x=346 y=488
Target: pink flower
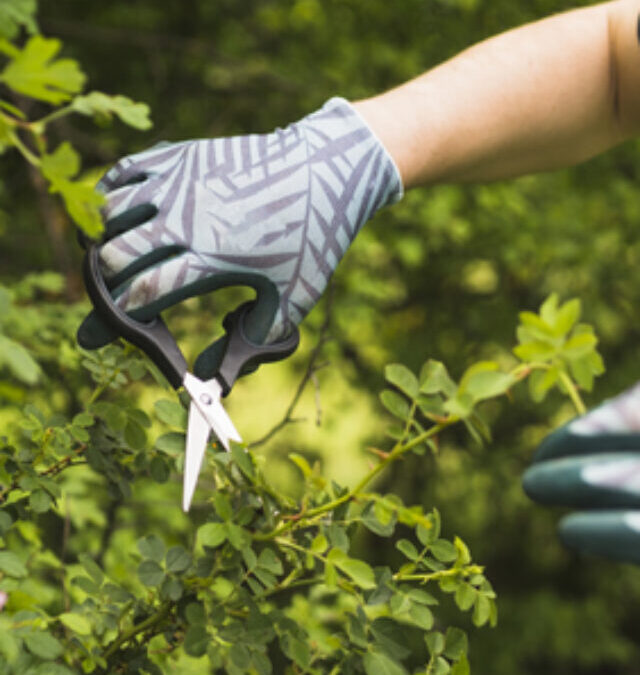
x=3 y=599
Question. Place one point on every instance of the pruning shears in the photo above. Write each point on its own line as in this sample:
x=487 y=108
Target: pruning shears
x=206 y=412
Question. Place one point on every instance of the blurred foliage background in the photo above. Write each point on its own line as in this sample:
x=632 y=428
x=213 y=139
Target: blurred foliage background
x=440 y=275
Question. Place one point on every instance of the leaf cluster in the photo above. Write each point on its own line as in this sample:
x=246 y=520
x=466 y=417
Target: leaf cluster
x=33 y=68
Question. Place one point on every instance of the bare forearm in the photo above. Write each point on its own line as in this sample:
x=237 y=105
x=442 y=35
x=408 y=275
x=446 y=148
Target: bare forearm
x=543 y=96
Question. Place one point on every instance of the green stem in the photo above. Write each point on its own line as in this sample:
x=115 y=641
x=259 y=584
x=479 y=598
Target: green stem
x=24 y=150
x=573 y=393
x=398 y=450
x=149 y=622
x=56 y=114
x=468 y=571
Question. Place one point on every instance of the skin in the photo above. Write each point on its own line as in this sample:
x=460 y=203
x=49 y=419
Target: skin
x=546 y=95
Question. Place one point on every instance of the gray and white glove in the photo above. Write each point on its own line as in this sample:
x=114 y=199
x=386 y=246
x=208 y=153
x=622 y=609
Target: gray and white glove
x=276 y=212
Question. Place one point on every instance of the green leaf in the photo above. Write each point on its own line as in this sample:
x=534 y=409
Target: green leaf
x=39 y=501
x=407 y=549
x=461 y=405
x=250 y=558
x=319 y=544
x=76 y=622
x=87 y=585
x=378 y=663
x=440 y=666
x=402 y=378
x=483 y=380
x=195 y=614
x=567 y=316
x=5 y=522
x=422 y=616
x=269 y=561
x=83 y=419
x=91 y=568
x=222 y=505
x=178 y=559
x=444 y=550
x=18 y=360
x=196 y=640
x=43 y=645
x=391 y=637
x=330 y=575
x=579 y=345
x=435 y=642
x=171 y=589
x=297 y=650
x=15 y=14
x=481 y=610
x=531 y=352
x=456 y=643
x=34 y=72
x=465 y=596
x=171 y=413
x=301 y=463
x=238 y=537
x=172 y=444
x=240 y=657
x=395 y=403
x=114 y=417
x=243 y=460
x=11 y=565
x=435 y=379
x=159 y=469
x=135 y=436
x=212 y=534
x=150 y=573
x=379 y=518
x=358 y=570
x=549 y=309
x=81 y=199
x=9 y=646
x=461 y=667
x=540 y=381
x=101 y=105
x=151 y=547
x=421 y=597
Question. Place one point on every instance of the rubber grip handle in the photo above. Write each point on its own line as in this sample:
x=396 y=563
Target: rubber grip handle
x=152 y=337
x=242 y=354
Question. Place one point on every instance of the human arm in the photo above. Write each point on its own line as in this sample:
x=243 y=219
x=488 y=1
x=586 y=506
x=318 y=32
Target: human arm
x=542 y=96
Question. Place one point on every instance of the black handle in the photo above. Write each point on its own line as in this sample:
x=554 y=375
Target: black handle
x=241 y=353
x=153 y=337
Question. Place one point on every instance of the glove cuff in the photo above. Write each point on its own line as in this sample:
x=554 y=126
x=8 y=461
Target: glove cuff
x=357 y=156
x=351 y=115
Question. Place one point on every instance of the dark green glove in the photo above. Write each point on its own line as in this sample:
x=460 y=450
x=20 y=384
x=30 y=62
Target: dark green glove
x=593 y=465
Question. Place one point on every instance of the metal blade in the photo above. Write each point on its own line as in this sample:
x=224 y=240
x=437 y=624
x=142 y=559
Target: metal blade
x=198 y=432
x=206 y=413
x=206 y=397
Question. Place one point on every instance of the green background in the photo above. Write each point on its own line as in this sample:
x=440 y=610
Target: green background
x=441 y=275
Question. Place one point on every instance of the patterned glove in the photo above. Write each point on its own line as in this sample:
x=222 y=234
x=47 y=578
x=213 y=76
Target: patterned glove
x=593 y=464
x=276 y=212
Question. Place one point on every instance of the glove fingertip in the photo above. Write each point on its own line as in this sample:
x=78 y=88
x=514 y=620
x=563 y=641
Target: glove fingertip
x=93 y=333
x=209 y=360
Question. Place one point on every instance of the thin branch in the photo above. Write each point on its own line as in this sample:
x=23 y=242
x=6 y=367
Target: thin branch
x=149 y=622
x=309 y=375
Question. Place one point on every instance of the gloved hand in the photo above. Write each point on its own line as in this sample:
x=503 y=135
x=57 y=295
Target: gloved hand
x=276 y=212
x=593 y=464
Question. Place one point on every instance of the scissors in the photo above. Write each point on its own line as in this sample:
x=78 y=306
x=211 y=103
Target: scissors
x=206 y=412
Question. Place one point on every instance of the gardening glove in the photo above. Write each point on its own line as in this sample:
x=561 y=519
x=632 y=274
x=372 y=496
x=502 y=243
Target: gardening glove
x=276 y=212
x=593 y=464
